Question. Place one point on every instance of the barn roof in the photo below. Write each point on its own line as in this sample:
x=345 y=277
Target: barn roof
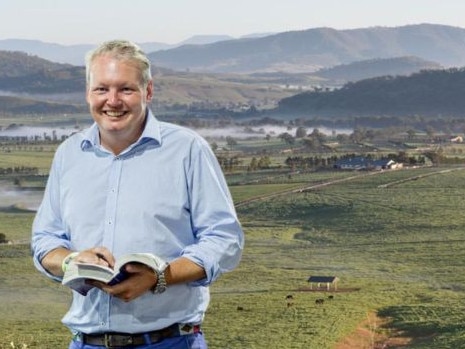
x=322 y=279
x=363 y=162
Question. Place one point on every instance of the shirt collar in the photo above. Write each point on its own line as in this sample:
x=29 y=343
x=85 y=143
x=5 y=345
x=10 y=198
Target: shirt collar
x=150 y=133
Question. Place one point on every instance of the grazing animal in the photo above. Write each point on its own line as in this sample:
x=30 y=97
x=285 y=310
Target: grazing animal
x=289 y=299
x=239 y=308
x=319 y=301
x=330 y=297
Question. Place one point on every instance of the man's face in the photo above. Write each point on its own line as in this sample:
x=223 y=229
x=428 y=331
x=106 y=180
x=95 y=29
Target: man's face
x=117 y=99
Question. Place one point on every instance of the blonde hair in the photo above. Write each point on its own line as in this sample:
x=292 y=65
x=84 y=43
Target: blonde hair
x=121 y=50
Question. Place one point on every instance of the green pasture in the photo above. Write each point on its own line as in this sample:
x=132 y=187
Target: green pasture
x=27 y=156
x=395 y=240
x=53 y=120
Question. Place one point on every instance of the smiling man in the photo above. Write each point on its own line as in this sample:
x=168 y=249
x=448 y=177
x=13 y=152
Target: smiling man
x=128 y=184
x=118 y=93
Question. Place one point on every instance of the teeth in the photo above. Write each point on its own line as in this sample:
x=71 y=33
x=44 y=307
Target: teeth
x=115 y=113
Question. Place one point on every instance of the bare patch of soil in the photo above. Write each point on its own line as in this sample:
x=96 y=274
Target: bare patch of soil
x=374 y=333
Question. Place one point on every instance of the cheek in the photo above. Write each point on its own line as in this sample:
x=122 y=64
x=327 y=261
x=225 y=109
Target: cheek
x=95 y=103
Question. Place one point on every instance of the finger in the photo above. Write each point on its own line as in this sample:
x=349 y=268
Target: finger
x=104 y=256
x=135 y=268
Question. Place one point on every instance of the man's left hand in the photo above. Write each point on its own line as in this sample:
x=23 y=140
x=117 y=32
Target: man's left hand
x=141 y=279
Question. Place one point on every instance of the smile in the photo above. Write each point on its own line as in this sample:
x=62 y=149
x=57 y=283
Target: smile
x=115 y=114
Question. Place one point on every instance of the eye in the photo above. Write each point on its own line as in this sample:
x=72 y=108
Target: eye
x=127 y=90
x=99 y=90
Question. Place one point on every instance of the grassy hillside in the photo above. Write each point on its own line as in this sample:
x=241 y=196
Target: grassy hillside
x=209 y=91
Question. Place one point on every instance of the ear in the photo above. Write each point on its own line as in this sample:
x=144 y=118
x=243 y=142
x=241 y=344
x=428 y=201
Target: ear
x=149 y=91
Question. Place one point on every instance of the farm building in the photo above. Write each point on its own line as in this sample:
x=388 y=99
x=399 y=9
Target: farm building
x=363 y=163
x=317 y=282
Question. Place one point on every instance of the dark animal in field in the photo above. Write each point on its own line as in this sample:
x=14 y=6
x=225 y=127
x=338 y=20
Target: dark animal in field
x=289 y=299
x=319 y=301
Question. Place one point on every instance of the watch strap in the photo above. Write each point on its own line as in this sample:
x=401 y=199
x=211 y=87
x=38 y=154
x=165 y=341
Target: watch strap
x=160 y=285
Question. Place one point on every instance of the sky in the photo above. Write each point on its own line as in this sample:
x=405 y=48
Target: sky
x=70 y=22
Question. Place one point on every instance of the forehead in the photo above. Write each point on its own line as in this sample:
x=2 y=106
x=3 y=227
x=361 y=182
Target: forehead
x=108 y=67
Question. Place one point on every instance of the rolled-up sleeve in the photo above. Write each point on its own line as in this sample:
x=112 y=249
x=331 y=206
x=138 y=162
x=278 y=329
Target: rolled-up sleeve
x=220 y=239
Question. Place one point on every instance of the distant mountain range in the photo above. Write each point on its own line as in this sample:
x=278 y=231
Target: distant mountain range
x=292 y=52
x=278 y=66
x=313 y=49
x=74 y=54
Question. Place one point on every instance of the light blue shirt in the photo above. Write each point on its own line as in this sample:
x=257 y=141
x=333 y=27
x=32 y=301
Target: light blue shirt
x=165 y=195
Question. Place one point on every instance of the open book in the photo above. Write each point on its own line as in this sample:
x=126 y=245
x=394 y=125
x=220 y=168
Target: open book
x=77 y=273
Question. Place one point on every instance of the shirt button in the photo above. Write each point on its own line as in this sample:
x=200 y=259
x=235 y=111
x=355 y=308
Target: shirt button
x=102 y=324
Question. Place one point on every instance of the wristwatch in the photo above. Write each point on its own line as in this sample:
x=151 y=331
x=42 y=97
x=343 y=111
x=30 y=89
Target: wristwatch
x=160 y=285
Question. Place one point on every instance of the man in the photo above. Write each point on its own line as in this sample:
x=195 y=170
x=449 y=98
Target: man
x=131 y=183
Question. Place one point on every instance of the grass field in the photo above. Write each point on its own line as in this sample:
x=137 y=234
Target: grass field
x=395 y=239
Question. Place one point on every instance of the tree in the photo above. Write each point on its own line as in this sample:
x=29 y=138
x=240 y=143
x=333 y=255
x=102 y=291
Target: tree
x=358 y=135
x=300 y=132
x=231 y=142
x=264 y=162
x=435 y=156
x=253 y=164
x=286 y=137
x=430 y=132
x=309 y=143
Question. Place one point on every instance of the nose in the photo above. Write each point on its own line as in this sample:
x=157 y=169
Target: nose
x=113 y=98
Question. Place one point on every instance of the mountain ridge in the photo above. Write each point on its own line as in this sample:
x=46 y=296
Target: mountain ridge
x=290 y=51
x=313 y=49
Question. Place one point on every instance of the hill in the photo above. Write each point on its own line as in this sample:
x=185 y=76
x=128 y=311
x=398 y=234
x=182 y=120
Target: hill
x=44 y=81
x=376 y=67
x=212 y=91
x=70 y=54
x=24 y=73
x=16 y=105
x=203 y=39
x=14 y=64
x=62 y=86
x=32 y=78
x=427 y=93
x=313 y=49
x=292 y=52
x=53 y=84
x=74 y=54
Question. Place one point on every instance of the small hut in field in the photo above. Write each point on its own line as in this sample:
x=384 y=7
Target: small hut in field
x=327 y=283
